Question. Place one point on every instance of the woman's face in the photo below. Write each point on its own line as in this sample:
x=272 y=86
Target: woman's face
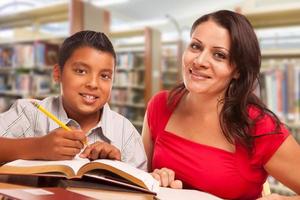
x=206 y=67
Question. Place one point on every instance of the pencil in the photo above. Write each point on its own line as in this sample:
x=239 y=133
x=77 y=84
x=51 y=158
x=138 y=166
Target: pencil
x=51 y=116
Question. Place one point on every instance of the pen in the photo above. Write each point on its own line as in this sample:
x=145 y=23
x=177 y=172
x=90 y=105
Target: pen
x=51 y=116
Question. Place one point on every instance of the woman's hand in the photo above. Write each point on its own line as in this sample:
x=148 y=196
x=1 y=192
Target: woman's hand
x=166 y=178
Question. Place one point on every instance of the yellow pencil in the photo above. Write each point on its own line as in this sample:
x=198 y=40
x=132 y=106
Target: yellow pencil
x=51 y=116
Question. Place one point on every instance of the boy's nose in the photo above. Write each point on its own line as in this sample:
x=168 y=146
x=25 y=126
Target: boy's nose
x=92 y=82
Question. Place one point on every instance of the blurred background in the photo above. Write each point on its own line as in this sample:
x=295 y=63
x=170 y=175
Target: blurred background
x=149 y=38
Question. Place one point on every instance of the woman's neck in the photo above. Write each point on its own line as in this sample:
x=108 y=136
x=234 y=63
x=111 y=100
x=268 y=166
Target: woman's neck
x=197 y=104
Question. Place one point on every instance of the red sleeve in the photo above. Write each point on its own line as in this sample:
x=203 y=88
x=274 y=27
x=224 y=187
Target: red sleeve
x=156 y=112
x=267 y=138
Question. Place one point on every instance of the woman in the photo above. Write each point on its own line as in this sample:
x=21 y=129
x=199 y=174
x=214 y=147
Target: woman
x=211 y=132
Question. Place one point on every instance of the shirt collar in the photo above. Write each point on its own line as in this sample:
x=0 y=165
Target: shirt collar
x=105 y=123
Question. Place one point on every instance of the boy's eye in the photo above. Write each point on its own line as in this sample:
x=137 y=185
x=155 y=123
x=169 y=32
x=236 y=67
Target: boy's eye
x=106 y=76
x=80 y=71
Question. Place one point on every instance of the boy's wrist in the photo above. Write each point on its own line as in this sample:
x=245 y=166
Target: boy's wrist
x=33 y=148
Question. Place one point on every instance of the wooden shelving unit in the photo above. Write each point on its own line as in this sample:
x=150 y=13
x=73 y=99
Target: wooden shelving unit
x=171 y=63
x=137 y=76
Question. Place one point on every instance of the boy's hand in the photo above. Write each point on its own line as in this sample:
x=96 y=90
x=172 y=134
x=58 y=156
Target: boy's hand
x=60 y=144
x=166 y=178
x=100 y=150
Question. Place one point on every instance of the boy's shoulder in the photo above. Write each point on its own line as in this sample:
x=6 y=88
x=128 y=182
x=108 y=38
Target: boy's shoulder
x=45 y=101
x=115 y=116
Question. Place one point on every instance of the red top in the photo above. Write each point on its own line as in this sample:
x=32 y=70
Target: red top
x=236 y=175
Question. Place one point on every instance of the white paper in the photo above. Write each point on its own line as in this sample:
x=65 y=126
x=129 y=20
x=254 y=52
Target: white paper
x=179 y=194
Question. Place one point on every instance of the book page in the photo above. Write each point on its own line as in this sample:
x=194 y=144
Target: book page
x=178 y=194
x=145 y=177
x=75 y=164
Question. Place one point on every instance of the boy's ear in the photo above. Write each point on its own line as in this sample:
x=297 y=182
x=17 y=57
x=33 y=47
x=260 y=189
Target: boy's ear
x=56 y=73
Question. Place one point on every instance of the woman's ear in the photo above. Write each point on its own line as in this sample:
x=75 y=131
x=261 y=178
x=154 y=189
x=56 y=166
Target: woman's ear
x=56 y=73
x=236 y=75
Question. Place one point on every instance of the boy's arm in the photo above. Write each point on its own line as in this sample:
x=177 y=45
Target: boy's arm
x=23 y=148
x=58 y=144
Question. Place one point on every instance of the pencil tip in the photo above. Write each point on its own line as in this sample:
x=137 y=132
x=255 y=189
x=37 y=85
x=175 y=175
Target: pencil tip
x=34 y=103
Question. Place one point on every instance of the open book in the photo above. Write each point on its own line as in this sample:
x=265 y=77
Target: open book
x=79 y=167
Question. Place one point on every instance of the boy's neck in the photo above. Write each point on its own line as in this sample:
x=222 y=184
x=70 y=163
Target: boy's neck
x=89 y=121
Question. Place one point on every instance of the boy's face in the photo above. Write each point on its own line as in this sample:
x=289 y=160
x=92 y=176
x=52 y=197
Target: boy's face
x=86 y=81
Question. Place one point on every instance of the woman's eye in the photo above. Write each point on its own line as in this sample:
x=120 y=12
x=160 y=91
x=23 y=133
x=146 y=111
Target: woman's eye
x=194 y=46
x=219 y=55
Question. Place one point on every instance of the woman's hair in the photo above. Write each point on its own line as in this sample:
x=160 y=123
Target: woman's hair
x=245 y=55
x=96 y=40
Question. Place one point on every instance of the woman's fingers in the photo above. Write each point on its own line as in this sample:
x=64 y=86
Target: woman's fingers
x=176 y=184
x=166 y=178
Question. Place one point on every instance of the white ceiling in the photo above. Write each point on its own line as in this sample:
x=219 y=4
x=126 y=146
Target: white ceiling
x=140 y=13
x=135 y=13
x=155 y=12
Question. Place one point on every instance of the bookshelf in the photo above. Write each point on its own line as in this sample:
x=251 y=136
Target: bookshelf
x=27 y=58
x=171 y=63
x=137 y=75
x=280 y=91
x=280 y=72
x=25 y=70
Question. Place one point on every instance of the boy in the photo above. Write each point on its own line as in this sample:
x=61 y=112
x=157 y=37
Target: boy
x=85 y=71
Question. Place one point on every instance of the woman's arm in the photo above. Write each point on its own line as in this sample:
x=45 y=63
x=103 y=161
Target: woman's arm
x=148 y=144
x=165 y=176
x=284 y=165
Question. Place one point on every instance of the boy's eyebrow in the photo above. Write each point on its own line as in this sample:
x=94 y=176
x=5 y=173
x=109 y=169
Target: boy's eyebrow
x=107 y=70
x=80 y=63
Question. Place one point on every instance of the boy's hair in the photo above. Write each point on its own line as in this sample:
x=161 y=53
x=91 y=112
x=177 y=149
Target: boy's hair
x=96 y=40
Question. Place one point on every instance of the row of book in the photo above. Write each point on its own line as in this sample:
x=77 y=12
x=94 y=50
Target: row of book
x=28 y=55
x=125 y=97
x=280 y=88
x=26 y=83
x=170 y=66
x=123 y=78
x=129 y=60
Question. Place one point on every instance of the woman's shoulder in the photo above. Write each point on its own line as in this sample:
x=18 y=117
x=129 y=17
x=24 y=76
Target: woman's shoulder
x=159 y=99
x=264 y=122
x=161 y=96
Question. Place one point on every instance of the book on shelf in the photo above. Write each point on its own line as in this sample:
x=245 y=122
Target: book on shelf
x=50 y=193
x=280 y=90
x=6 y=56
x=108 y=170
x=46 y=54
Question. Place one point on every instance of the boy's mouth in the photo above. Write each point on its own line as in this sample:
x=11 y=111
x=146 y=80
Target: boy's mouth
x=88 y=97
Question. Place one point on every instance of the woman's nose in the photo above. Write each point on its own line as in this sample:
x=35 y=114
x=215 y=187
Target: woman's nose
x=202 y=59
